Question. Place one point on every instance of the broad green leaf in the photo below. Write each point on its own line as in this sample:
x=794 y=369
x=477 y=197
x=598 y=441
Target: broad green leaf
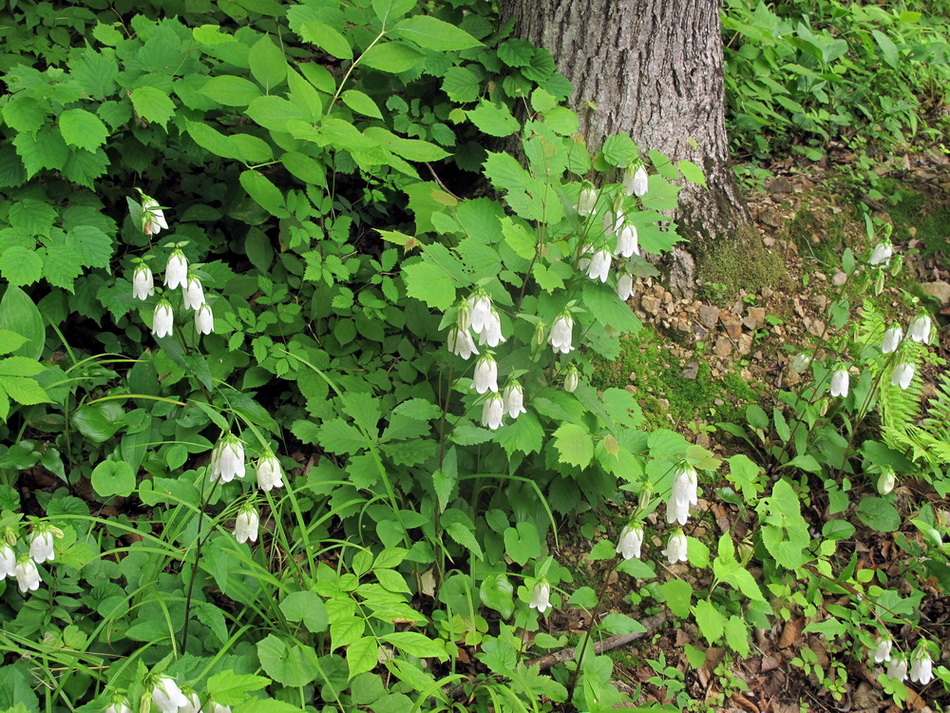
x=361 y=103
x=305 y=168
x=18 y=314
x=493 y=119
x=496 y=592
x=390 y=10
x=153 y=105
x=268 y=65
x=516 y=52
x=434 y=34
x=416 y=644
x=619 y=150
x=113 y=478
x=392 y=57
x=18 y=365
x=709 y=619
x=94 y=245
x=617 y=623
x=339 y=437
x=287 y=661
x=678 y=594
x=20 y=266
x=574 y=444
x=83 y=129
x=228 y=90
x=306 y=607
x=229 y=688
x=212 y=140
x=879 y=514
x=361 y=656
x=326 y=38
x=691 y=172
x=10 y=341
x=461 y=84
x=737 y=635
x=429 y=283
x=265 y=193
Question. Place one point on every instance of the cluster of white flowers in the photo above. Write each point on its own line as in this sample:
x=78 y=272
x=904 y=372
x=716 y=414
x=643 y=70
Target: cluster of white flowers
x=921 y=665
x=176 y=275
x=169 y=698
x=23 y=567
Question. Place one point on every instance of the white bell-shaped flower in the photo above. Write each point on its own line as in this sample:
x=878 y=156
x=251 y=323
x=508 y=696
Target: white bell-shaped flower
x=897 y=668
x=892 y=339
x=480 y=311
x=204 y=319
x=41 y=546
x=269 y=473
x=541 y=597
x=562 y=334
x=628 y=241
x=682 y=495
x=800 y=363
x=167 y=696
x=227 y=459
x=463 y=318
x=493 y=411
x=246 y=525
x=587 y=201
x=194 y=704
x=192 y=293
x=630 y=542
x=7 y=561
x=490 y=333
x=625 y=286
x=676 y=548
x=919 y=329
x=163 y=319
x=599 y=267
x=27 y=575
x=143 y=283
x=514 y=400
x=461 y=344
x=572 y=379
x=921 y=667
x=902 y=376
x=486 y=375
x=881 y=651
x=840 y=383
x=176 y=271
x=887 y=481
x=882 y=253
x=153 y=219
x=637 y=183
x=119 y=706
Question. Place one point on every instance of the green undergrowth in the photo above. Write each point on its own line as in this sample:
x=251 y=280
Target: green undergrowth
x=920 y=215
x=739 y=263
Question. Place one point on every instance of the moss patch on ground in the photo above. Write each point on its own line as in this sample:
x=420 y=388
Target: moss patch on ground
x=740 y=262
x=918 y=215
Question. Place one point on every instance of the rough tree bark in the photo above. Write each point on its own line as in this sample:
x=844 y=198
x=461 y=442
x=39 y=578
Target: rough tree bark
x=654 y=70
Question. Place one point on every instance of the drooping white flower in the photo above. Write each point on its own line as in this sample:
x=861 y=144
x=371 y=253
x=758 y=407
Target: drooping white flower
x=480 y=311
x=120 y=706
x=840 y=382
x=193 y=706
x=269 y=473
x=41 y=546
x=227 y=459
x=583 y=263
x=628 y=241
x=514 y=400
x=882 y=253
x=461 y=344
x=463 y=318
x=204 y=319
x=682 y=496
x=613 y=222
x=493 y=411
x=153 y=219
x=887 y=481
x=902 y=376
x=246 y=525
x=800 y=363
x=143 y=283
x=176 y=271
x=490 y=333
x=882 y=649
x=897 y=668
x=167 y=696
x=636 y=184
x=27 y=575
x=562 y=333
x=192 y=293
x=7 y=561
x=676 y=548
x=486 y=374
x=631 y=541
x=599 y=267
x=921 y=667
x=625 y=286
x=919 y=329
x=587 y=201
x=163 y=319
x=541 y=597
x=892 y=339
x=571 y=379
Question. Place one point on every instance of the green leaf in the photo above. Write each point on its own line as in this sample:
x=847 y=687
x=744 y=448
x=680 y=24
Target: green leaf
x=392 y=57
x=493 y=119
x=287 y=662
x=691 y=172
x=212 y=140
x=228 y=90
x=879 y=514
x=888 y=49
x=516 y=52
x=497 y=593
x=361 y=103
x=461 y=533
x=461 y=84
x=18 y=314
x=45 y=149
x=113 y=478
x=268 y=65
x=617 y=623
x=361 y=656
x=152 y=104
x=709 y=619
x=306 y=607
x=574 y=444
x=24 y=114
x=229 y=688
x=609 y=309
x=339 y=437
x=678 y=594
x=524 y=435
x=434 y=34
x=522 y=542
x=93 y=244
x=388 y=10
x=18 y=365
x=265 y=193
x=737 y=635
x=20 y=266
x=83 y=129
x=619 y=150
x=416 y=644
x=326 y=38
x=429 y=283
x=10 y=341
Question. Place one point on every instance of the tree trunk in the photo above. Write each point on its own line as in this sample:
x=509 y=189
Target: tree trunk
x=654 y=70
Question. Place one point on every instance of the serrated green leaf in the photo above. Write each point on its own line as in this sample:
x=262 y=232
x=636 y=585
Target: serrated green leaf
x=24 y=114
x=429 y=283
x=434 y=34
x=361 y=656
x=391 y=10
x=337 y=436
x=93 y=244
x=493 y=119
x=619 y=150
x=11 y=341
x=229 y=688
x=461 y=84
x=737 y=635
x=20 y=266
x=153 y=104
x=18 y=365
x=709 y=619
x=416 y=644
x=678 y=594
x=574 y=444
x=516 y=52
x=83 y=129
x=44 y=149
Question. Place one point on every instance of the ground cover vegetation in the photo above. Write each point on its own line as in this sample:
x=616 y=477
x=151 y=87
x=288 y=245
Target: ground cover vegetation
x=309 y=323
